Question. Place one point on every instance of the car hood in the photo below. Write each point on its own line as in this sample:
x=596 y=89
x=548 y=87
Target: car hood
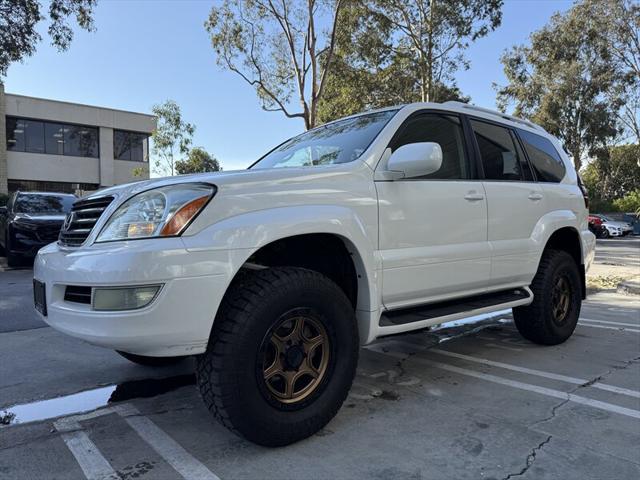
x=219 y=179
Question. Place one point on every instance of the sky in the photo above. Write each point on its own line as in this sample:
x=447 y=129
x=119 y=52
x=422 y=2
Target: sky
x=147 y=51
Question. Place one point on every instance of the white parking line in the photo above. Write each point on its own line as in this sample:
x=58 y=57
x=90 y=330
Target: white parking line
x=176 y=456
x=619 y=329
x=96 y=467
x=610 y=323
x=539 y=373
x=549 y=392
x=91 y=461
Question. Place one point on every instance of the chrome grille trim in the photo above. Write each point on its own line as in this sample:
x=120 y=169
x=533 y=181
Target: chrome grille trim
x=80 y=222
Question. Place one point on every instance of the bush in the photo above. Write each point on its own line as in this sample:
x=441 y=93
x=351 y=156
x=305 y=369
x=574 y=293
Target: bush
x=628 y=203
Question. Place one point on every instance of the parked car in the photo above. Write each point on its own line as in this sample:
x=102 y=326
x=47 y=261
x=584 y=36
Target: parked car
x=596 y=227
x=373 y=225
x=613 y=227
x=31 y=220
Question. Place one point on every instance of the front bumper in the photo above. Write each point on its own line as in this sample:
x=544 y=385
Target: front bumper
x=177 y=322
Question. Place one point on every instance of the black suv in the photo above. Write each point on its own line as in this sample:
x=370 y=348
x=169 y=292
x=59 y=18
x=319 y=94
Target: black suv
x=30 y=221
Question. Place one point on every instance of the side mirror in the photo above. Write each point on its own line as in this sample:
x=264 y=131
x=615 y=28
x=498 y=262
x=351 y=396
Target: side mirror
x=415 y=160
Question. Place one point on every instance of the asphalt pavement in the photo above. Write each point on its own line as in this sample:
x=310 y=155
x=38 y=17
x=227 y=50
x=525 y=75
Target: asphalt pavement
x=470 y=400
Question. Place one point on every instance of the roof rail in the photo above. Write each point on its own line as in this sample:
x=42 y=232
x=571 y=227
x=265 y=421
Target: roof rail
x=495 y=113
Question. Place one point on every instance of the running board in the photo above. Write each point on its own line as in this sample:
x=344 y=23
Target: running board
x=414 y=318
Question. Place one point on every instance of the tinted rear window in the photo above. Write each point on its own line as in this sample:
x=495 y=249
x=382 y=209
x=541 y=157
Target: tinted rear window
x=544 y=157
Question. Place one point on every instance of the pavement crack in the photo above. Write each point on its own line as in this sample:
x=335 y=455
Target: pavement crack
x=530 y=459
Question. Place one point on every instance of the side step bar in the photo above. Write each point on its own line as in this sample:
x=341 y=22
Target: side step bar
x=422 y=316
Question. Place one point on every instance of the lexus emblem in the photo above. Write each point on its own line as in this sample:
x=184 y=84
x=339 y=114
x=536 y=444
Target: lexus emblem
x=67 y=221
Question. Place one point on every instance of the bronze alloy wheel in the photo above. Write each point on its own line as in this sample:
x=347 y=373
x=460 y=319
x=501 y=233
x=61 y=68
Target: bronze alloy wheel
x=561 y=299
x=295 y=356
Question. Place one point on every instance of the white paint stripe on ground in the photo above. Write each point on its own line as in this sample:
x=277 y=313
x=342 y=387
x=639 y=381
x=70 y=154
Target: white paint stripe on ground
x=549 y=392
x=619 y=329
x=539 y=373
x=176 y=456
x=91 y=461
x=610 y=323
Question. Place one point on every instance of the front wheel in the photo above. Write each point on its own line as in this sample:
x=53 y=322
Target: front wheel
x=553 y=315
x=281 y=357
x=151 y=361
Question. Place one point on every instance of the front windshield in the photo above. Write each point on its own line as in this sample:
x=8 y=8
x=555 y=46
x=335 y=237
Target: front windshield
x=44 y=204
x=337 y=142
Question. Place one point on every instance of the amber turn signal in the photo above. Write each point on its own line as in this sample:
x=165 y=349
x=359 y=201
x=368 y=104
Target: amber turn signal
x=183 y=216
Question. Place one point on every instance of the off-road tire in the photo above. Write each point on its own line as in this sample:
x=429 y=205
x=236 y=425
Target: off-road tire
x=227 y=373
x=536 y=322
x=151 y=361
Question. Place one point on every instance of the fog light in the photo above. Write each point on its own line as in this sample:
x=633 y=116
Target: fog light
x=125 y=298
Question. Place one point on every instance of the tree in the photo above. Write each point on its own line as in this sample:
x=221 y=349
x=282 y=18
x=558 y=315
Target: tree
x=371 y=70
x=614 y=172
x=172 y=137
x=278 y=48
x=19 y=18
x=566 y=81
x=198 y=161
x=433 y=35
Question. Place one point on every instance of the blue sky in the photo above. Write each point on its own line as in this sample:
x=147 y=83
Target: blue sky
x=146 y=51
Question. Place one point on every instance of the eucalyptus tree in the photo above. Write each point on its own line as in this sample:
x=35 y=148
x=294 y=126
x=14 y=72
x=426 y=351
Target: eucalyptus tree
x=19 y=35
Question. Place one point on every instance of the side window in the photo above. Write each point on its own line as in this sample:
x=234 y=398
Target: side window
x=446 y=130
x=498 y=152
x=544 y=157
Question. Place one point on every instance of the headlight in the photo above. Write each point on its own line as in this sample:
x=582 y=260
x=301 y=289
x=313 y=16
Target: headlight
x=161 y=212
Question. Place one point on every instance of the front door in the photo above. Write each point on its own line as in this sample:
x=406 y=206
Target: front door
x=433 y=229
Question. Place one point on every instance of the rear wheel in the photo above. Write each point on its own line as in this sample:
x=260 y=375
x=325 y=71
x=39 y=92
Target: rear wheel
x=282 y=355
x=151 y=361
x=553 y=315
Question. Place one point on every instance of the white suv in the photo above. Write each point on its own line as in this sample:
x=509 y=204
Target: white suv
x=382 y=223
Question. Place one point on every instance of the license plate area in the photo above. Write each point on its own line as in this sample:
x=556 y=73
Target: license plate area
x=40 y=297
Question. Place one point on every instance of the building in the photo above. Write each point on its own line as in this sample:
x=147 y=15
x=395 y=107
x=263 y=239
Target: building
x=48 y=145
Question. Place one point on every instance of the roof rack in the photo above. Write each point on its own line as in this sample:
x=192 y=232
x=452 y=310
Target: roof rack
x=495 y=113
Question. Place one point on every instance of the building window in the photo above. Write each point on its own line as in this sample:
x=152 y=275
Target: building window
x=129 y=145
x=36 y=136
x=57 y=187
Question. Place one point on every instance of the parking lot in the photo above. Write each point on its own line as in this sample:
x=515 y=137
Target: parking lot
x=466 y=400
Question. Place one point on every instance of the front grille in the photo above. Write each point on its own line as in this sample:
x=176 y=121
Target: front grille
x=77 y=294
x=49 y=233
x=81 y=220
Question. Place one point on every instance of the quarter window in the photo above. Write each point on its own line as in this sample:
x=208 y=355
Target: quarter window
x=129 y=145
x=498 y=152
x=445 y=130
x=544 y=157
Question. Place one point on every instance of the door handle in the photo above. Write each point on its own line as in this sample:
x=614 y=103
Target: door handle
x=473 y=197
x=535 y=197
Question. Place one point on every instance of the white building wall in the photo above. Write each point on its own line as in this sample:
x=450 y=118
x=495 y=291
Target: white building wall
x=104 y=171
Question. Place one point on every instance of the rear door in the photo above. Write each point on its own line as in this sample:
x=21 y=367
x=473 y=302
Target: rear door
x=515 y=203
x=433 y=229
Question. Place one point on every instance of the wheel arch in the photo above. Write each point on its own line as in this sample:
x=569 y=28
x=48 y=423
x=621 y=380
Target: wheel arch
x=568 y=239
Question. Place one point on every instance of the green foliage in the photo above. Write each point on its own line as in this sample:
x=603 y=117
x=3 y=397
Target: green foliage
x=614 y=173
x=568 y=79
x=140 y=171
x=18 y=26
x=629 y=203
x=373 y=68
x=279 y=49
x=171 y=138
x=198 y=161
